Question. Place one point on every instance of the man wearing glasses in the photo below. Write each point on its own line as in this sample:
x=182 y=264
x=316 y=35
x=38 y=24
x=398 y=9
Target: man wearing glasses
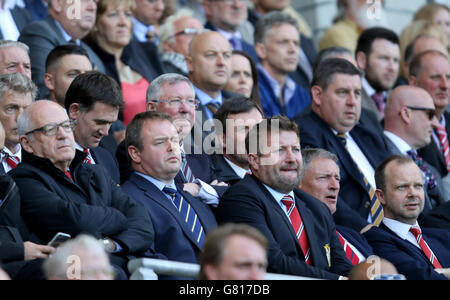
x=60 y=193
x=408 y=123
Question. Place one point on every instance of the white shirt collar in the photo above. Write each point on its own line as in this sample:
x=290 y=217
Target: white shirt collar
x=402 y=229
x=159 y=184
x=10 y=4
x=403 y=146
x=369 y=89
x=17 y=154
x=238 y=170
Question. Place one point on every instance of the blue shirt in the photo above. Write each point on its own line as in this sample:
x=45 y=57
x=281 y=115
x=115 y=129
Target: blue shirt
x=159 y=184
x=140 y=31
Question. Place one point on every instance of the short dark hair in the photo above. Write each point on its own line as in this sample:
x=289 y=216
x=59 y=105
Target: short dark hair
x=60 y=51
x=91 y=87
x=368 y=36
x=235 y=105
x=134 y=128
x=329 y=53
x=270 y=20
x=265 y=126
x=380 y=171
x=323 y=74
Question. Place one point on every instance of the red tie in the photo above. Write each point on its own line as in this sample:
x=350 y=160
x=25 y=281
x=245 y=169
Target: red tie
x=443 y=139
x=68 y=175
x=12 y=161
x=425 y=248
x=351 y=255
x=88 y=158
x=298 y=226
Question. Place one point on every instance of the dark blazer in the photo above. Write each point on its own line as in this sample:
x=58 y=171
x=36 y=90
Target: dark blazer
x=92 y=203
x=42 y=36
x=354 y=202
x=21 y=16
x=105 y=158
x=223 y=170
x=248 y=201
x=432 y=153
x=407 y=258
x=173 y=237
x=356 y=239
x=299 y=75
x=37 y=8
x=438 y=217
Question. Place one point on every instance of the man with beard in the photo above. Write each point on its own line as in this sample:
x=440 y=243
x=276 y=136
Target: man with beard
x=419 y=254
x=378 y=55
x=232 y=164
x=300 y=230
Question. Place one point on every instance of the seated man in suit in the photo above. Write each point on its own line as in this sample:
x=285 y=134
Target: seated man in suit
x=320 y=178
x=416 y=253
x=59 y=28
x=16 y=93
x=333 y=125
x=63 y=64
x=430 y=70
x=408 y=123
x=14 y=58
x=300 y=230
x=60 y=193
x=93 y=101
x=181 y=221
x=174 y=95
x=277 y=43
x=237 y=116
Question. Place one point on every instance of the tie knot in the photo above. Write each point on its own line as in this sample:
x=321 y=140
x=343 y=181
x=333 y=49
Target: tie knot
x=86 y=150
x=288 y=201
x=169 y=190
x=342 y=137
x=415 y=231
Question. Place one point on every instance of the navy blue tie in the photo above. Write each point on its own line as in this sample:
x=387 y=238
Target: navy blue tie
x=188 y=214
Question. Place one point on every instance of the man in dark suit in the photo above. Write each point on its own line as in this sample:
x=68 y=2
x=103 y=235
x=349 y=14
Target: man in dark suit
x=14 y=20
x=226 y=17
x=60 y=193
x=59 y=28
x=333 y=125
x=180 y=220
x=300 y=230
x=320 y=178
x=416 y=253
x=237 y=116
x=430 y=70
x=408 y=125
x=14 y=58
x=93 y=101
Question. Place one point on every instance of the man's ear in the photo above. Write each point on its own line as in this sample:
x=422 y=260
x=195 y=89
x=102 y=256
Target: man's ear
x=316 y=93
x=135 y=154
x=380 y=196
x=49 y=81
x=74 y=111
x=253 y=161
x=210 y=272
x=412 y=80
x=189 y=63
x=25 y=143
x=361 y=60
x=261 y=50
x=151 y=106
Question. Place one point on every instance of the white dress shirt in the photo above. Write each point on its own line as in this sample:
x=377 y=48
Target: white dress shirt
x=241 y=172
x=18 y=154
x=402 y=230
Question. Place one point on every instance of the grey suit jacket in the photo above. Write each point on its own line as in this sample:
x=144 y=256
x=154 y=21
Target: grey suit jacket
x=42 y=37
x=368 y=103
x=433 y=197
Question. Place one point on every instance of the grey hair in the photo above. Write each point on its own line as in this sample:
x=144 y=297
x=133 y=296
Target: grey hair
x=270 y=20
x=9 y=43
x=24 y=123
x=166 y=30
x=17 y=82
x=57 y=265
x=310 y=154
x=154 y=90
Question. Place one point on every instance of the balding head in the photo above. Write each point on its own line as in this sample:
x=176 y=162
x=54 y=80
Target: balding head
x=407 y=115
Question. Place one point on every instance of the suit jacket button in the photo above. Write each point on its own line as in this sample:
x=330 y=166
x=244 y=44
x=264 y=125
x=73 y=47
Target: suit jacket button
x=367 y=204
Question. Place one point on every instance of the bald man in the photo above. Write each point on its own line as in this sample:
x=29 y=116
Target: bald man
x=408 y=124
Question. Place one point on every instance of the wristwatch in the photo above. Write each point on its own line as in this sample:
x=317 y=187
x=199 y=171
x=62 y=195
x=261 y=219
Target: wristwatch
x=108 y=245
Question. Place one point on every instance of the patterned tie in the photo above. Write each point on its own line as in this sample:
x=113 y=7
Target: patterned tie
x=88 y=159
x=424 y=246
x=378 y=98
x=351 y=255
x=150 y=36
x=12 y=161
x=213 y=106
x=443 y=139
x=187 y=172
x=188 y=213
x=429 y=177
x=298 y=226
x=376 y=210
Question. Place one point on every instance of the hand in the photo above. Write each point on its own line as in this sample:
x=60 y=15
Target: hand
x=366 y=228
x=192 y=188
x=216 y=182
x=33 y=251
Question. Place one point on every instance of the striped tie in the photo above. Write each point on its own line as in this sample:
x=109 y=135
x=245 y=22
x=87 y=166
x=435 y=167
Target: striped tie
x=376 y=210
x=213 y=106
x=187 y=172
x=88 y=158
x=424 y=246
x=188 y=213
x=298 y=226
x=351 y=255
x=443 y=139
x=12 y=161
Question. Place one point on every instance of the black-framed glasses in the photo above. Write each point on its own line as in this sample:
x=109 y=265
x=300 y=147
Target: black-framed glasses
x=188 y=31
x=52 y=128
x=431 y=112
x=176 y=102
